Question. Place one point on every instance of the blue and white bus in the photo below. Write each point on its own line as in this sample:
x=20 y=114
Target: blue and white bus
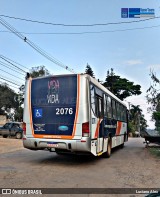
x=72 y=114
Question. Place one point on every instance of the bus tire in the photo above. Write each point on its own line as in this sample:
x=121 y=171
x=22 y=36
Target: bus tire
x=122 y=145
x=4 y=136
x=109 y=147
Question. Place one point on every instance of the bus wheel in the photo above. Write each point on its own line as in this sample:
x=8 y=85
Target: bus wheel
x=5 y=136
x=109 y=147
x=122 y=145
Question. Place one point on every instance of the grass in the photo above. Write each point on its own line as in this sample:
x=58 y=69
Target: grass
x=155 y=151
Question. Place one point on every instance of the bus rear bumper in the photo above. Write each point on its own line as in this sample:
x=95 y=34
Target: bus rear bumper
x=73 y=145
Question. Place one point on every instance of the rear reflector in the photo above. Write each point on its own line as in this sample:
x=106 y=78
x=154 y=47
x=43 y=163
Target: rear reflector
x=83 y=140
x=85 y=129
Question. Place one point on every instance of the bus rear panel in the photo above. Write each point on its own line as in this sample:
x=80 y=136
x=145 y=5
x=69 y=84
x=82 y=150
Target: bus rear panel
x=54 y=114
x=72 y=114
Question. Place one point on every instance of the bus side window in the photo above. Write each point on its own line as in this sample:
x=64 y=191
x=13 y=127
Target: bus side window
x=121 y=112
x=109 y=107
x=124 y=114
x=118 y=112
x=99 y=107
x=93 y=101
x=114 y=109
x=105 y=105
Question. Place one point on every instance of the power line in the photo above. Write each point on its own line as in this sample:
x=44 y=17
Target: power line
x=11 y=74
x=8 y=81
x=12 y=63
x=80 y=25
x=9 y=66
x=87 y=32
x=2 y=82
x=34 y=46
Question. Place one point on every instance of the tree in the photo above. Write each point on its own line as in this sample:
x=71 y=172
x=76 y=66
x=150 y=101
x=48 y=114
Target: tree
x=89 y=71
x=18 y=116
x=153 y=98
x=153 y=93
x=143 y=123
x=137 y=121
x=39 y=71
x=121 y=87
x=135 y=111
x=8 y=101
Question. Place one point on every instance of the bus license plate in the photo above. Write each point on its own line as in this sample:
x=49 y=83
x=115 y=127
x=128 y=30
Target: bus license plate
x=53 y=145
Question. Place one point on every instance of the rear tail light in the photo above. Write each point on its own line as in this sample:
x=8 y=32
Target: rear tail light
x=85 y=129
x=24 y=127
x=24 y=130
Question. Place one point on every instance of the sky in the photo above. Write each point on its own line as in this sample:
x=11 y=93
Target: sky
x=131 y=49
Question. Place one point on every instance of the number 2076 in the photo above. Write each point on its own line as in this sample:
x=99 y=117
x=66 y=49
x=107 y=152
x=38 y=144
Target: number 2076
x=64 y=111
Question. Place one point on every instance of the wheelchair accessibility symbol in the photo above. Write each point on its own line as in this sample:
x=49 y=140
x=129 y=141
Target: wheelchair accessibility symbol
x=38 y=113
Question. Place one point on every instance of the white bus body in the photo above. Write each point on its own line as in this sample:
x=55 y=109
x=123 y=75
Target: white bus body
x=72 y=113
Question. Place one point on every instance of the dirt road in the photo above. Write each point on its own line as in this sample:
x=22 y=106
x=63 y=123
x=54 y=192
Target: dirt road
x=130 y=167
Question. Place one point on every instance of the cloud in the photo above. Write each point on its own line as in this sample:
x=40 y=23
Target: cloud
x=133 y=62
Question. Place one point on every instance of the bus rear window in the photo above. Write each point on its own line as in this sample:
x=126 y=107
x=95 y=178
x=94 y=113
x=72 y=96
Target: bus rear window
x=53 y=103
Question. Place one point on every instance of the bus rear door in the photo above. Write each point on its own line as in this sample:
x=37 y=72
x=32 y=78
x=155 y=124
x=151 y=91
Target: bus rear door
x=96 y=121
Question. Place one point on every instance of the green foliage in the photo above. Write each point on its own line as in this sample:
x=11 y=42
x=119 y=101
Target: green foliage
x=18 y=116
x=135 y=111
x=153 y=98
x=8 y=99
x=143 y=123
x=156 y=117
x=155 y=151
x=153 y=93
x=9 y=102
x=89 y=71
x=131 y=127
x=121 y=87
x=137 y=121
x=39 y=71
x=21 y=94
